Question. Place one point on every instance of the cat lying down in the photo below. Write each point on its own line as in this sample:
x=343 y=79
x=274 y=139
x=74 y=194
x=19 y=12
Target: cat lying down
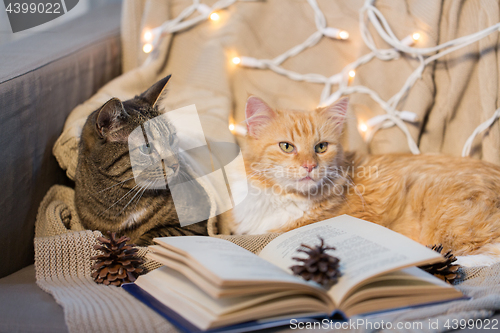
x=107 y=195
x=298 y=173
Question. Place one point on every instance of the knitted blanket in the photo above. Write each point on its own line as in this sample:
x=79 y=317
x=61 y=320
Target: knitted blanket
x=63 y=268
x=199 y=63
x=62 y=261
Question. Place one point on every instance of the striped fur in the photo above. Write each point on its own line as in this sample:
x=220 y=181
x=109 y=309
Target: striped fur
x=107 y=196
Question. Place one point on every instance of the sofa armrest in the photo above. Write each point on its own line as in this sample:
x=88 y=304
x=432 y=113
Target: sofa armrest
x=42 y=78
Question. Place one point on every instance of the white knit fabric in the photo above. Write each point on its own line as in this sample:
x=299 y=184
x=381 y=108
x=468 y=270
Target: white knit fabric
x=63 y=269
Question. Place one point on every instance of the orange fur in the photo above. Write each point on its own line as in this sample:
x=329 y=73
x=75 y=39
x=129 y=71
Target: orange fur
x=429 y=198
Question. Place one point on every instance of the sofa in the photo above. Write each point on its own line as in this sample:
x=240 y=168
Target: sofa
x=42 y=78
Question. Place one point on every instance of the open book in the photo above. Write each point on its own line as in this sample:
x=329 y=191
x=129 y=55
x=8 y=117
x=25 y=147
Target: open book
x=211 y=283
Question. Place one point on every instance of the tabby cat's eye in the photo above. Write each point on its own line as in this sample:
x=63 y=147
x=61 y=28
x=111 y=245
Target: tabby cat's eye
x=286 y=147
x=321 y=147
x=171 y=139
x=146 y=149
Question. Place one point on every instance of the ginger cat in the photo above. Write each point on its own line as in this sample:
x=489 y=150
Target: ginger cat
x=298 y=174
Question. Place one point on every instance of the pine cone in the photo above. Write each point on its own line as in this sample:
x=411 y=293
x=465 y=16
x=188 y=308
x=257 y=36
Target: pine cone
x=445 y=270
x=118 y=262
x=318 y=266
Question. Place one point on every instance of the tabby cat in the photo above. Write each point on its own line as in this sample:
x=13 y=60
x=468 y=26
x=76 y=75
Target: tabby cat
x=298 y=174
x=107 y=195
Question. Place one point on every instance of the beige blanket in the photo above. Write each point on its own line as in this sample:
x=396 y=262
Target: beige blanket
x=451 y=99
x=63 y=268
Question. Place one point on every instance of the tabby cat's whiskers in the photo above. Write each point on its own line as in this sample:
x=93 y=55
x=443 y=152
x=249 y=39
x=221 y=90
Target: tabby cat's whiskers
x=141 y=188
x=123 y=181
x=117 y=201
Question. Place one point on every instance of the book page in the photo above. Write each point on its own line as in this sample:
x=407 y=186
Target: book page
x=165 y=278
x=407 y=282
x=365 y=250
x=171 y=288
x=226 y=260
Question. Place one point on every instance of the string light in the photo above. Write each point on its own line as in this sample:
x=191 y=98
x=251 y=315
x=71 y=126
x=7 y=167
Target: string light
x=363 y=127
x=411 y=39
x=335 y=33
x=393 y=117
x=238 y=129
x=214 y=16
x=343 y=34
x=151 y=37
x=147 y=48
x=148 y=36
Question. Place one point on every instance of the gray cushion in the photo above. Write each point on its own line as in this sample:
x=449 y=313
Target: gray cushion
x=42 y=78
x=24 y=307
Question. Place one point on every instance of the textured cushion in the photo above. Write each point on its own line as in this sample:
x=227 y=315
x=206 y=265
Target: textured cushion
x=24 y=307
x=42 y=78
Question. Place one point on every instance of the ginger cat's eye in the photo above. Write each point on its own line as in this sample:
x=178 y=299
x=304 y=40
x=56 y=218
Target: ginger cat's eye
x=321 y=147
x=286 y=147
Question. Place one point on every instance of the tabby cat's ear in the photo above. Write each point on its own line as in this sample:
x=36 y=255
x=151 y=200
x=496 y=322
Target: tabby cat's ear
x=110 y=117
x=154 y=93
x=257 y=114
x=336 y=112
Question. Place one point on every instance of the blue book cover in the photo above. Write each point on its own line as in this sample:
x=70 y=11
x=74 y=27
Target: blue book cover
x=184 y=325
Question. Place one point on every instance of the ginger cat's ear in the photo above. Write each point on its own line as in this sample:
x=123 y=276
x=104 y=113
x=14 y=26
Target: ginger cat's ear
x=336 y=112
x=257 y=114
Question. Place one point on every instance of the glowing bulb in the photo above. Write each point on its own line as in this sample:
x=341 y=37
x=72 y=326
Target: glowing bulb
x=214 y=16
x=343 y=34
x=363 y=127
x=236 y=60
x=352 y=73
x=415 y=36
x=148 y=36
x=231 y=127
x=147 y=48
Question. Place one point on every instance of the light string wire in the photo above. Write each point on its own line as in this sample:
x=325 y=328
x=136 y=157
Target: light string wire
x=368 y=14
x=484 y=126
